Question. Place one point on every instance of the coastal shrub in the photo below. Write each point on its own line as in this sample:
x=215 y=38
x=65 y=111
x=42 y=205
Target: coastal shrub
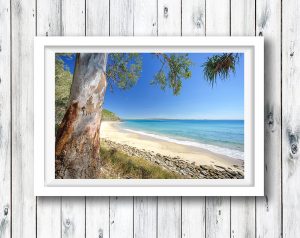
x=120 y=165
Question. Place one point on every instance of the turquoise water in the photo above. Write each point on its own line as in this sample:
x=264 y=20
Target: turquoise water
x=220 y=136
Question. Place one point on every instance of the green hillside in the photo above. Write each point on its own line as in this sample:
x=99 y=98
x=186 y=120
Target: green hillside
x=109 y=116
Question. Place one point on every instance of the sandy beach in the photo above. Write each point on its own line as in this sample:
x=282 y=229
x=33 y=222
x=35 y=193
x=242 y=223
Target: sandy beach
x=112 y=131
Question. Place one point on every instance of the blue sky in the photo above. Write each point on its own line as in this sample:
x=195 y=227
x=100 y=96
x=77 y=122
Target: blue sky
x=197 y=99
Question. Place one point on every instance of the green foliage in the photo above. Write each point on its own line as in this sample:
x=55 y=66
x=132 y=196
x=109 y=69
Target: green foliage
x=174 y=68
x=117 y=164
x=219 y=65
x=124 y=69
x=109 y=116
x=63 y=81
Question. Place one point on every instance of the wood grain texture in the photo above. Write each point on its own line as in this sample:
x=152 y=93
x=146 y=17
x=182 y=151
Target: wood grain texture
x=290 y=118
x=48 y=19
x=268 y=208
x=193 y=17
x=121 y=17
x=48 y=223
x=169 y=17
x=121 y=217
x=97 y=217
x=242 y=16
x=242 y=208
x=48 y=208
x=242 y=217
x=5 y=120
x=23 y=201
x=193 y=217
x=145 y=217
x=145 y=18
x=217 y=217
x=169 y=217
x=97 y=18
x=73 y=217
x=218 y=208
x=218 y=17
x=73 y=17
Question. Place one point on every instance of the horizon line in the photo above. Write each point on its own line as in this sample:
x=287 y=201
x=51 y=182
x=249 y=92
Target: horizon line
x=204 y=119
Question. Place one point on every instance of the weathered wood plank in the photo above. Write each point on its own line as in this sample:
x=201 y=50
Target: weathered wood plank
x=218 y=208
x=48 y=217
x=73 y=17
x=169 y=217
x=268 y=208
x=218 y=18
x=242 y=208
x=73 y=217
x=121 y=17
x=169 y=17
x=145 y=217
x=145 y=208
x=5 y=120
x=193 y=217
x=48 y=18
x=193 y=208
x=242 y=217
x=145 y=18
x=23 y=201
x=217 y=217
x=193 y=17
x=290 y=117
x=73 y=209
x=97 y=217
x=121 y=217
x=97 y=18
x=242 y=18
x=48 y=208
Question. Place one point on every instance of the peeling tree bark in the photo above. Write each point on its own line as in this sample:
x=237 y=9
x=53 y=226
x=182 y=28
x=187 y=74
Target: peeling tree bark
x=77 y=140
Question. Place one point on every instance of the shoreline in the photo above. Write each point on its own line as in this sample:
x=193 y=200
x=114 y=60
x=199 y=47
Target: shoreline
x=176 y=154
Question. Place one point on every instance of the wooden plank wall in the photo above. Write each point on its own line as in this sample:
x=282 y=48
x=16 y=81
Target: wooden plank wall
x=274 y=215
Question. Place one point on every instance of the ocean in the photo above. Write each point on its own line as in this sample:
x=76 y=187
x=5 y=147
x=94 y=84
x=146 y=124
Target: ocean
x=224 y=137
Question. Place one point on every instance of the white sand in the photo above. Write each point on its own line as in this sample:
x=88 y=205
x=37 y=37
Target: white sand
x=112 y=131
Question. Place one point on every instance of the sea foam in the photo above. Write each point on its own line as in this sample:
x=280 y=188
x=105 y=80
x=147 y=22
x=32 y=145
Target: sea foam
x=213 y=148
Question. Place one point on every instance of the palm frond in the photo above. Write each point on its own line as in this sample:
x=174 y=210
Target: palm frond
x=219 y=66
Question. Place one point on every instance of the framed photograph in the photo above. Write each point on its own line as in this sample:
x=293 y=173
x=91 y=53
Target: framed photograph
x=148 y=116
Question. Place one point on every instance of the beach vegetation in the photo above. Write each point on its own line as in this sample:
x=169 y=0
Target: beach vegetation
x=219 y=66
x=116 y=164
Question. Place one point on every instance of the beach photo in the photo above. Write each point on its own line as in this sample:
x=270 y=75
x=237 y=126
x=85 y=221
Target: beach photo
x=149 y=115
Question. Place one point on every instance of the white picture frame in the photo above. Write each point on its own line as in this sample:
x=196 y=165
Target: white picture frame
x=45 y=183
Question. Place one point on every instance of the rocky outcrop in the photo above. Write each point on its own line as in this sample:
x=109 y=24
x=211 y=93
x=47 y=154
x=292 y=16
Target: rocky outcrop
x=178 y=165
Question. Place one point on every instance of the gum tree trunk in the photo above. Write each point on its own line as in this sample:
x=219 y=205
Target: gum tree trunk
x=77 y=140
